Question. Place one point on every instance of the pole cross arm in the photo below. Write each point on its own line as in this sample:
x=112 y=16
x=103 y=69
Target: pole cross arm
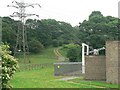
x=12 y=6
x=32 y=5
x=15 y=14
x=31 y=15
x=22 y=4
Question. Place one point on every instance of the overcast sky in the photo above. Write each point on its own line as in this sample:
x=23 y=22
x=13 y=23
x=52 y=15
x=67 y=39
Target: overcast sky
x=71 y=11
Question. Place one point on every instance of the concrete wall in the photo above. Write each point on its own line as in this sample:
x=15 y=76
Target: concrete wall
x=113 y=62
x=67 y=69
x=95 y=68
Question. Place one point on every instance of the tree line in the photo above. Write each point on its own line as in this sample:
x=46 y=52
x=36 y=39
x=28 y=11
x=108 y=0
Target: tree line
x=49 y=32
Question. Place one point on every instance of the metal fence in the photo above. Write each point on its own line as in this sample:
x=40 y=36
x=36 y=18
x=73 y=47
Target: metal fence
x=28 y=67
x=68 y=69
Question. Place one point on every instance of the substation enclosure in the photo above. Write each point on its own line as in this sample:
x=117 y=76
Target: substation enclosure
x=68 y=69
x=107 y=67
x=113 y=62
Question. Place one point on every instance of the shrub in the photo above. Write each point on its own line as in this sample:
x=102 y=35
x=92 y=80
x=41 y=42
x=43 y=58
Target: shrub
x=55 y=43
x=9 y=66
x=35 y=46
x=74 y=53
x=69 y=46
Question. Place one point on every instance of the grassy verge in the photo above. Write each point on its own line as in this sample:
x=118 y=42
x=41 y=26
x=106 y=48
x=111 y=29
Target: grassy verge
x=44 y=78
x=99 y=84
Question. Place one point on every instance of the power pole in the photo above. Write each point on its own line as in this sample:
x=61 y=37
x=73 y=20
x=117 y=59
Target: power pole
x=21 y=46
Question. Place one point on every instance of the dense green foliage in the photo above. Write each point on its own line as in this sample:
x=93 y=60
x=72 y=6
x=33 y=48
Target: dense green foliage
x=97 y=29
x=35 y=46
x=73 y=55
x=9 y=66
x=73 y=52
x=9 y=31
x=49 y=32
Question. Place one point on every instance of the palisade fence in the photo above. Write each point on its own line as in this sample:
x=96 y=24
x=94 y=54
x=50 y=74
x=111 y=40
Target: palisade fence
x=28 y=67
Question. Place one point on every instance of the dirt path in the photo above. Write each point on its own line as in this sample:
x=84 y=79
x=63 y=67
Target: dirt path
x=95 y=86
x=68 y=78
x=73 y=77
x=58 y=54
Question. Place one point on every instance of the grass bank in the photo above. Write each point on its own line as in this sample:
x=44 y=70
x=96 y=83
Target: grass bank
x=44 y=77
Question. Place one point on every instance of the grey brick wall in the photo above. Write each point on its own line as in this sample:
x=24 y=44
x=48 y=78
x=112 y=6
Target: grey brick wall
x=67 y=69
x=112 y=62
x=95 y=68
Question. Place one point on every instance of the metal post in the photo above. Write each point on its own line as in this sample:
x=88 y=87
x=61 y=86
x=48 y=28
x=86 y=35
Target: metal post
x=83 y=56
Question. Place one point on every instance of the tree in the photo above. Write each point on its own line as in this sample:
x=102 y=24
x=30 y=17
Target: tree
x=97 y=29
x=35 y=46
x=9 y=27
x=74 y=53
x=55 y=43
x=46 y=31
x=9 y=66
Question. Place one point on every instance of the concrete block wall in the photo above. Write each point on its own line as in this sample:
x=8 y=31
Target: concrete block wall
x=105 y=67
x=113 y=62
x=95 y=68
x=68 y=69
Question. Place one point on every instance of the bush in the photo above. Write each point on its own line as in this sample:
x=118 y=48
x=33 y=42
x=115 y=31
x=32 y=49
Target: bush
x=74 y=53
x=69 y=46
x=9 y=66
x=35 y=46
x=55 y=43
